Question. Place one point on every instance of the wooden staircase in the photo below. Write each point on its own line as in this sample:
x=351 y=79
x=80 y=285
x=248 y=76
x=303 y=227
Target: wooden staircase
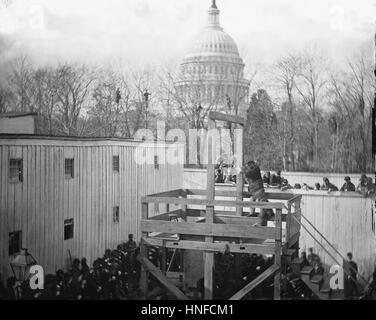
x=306 y=273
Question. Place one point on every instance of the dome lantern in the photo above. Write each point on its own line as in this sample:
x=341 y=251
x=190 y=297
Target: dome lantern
x=214 y=17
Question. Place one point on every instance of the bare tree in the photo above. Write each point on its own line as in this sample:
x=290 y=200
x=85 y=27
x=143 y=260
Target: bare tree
x=43 y=88
x=105 y=109
x=350 y=121
x=310 y=83
x=286 y=71
x=72 y=96
x=19 y=83
x=118 y=101
x=5 y=98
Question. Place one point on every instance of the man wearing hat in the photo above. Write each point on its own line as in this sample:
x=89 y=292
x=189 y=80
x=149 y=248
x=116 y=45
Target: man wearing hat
x=362 y=186
x=348 y=185
x=328 y=185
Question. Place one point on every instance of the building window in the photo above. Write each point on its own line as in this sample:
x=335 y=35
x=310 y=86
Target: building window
x=69 y=168
x=15 y=242
x=115 y=214
x=115 y=163
x=15 y=170
x=156 y=162
x=68 y=229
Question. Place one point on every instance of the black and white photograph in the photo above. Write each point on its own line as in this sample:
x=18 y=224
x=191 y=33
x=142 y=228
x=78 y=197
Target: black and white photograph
x=208 y=151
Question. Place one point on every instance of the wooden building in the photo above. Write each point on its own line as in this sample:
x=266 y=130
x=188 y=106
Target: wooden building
x=63 y=197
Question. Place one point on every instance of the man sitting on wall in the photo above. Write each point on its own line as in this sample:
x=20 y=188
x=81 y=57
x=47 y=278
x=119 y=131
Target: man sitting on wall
x=266 y=179
x=306 y=187
x=285 y=185
x=317 y=186
x=362 y=186
x=348 y=185
x=328 y=185
x=276 y=179
x=371 y=187
x=219 y=175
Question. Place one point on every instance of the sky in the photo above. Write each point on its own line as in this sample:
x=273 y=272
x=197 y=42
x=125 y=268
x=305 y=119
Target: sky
x=158 y=31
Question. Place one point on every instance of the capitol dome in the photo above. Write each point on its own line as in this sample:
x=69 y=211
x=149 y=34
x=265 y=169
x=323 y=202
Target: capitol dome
x=214 y=41
x=212 y=71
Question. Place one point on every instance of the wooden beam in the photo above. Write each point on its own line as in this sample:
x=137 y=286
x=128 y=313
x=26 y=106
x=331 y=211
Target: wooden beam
x=240 y=177
x=161 y=278
x=164 y=259
x=173 y=193
x=143 y=253
x=226 y=117
x=233 y=219
x=195 y=212
x=211 y=230
x=210 y=173
x=212 y=247
x=209 y=217
x=219 y=203
x=220 y=213
x=254 y=283
x=208 y=258
x=165 y=216
x=295 y=199
x=278 y=254
x=218 y=192
x=294 y=239
x=283 y=195
x=288 y=222
x=230 y=217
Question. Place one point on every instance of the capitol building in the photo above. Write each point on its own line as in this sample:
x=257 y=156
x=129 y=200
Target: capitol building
x=211 y=75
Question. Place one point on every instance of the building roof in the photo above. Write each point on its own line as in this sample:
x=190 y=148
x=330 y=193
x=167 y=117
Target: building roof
x=17 y=114
x=10 y=136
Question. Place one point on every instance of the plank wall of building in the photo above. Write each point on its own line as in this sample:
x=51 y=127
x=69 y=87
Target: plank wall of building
x=39 y=205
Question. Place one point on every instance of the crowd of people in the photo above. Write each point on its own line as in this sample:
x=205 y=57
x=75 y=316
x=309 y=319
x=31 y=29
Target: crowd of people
x=230 y=275
x=225 y=174
x=114 y=276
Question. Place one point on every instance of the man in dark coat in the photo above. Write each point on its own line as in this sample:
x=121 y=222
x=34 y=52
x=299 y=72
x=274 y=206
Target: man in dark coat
x=266 y=178
x=351 y=273
x=256 y=188
x=255 y=183
x=276 y=179
x=348 y=185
